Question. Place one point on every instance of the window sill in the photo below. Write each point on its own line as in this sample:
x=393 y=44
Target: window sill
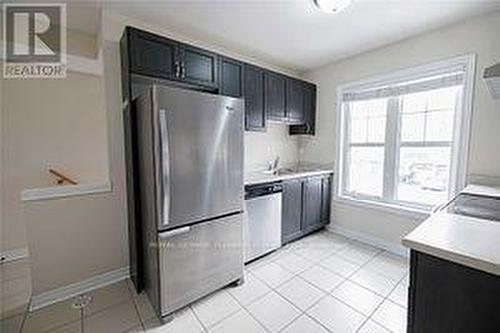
x=55 y=192
x=409 y=212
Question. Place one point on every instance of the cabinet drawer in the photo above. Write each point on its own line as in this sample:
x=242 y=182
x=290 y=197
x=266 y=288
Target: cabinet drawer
x=196 y=260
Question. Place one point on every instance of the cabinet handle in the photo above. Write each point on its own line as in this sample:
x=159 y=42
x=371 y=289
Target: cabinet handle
x=177 y=69
x=183 y=71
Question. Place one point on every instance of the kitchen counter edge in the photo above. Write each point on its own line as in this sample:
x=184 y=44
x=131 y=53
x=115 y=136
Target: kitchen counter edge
x=256 y=178
x=436 y=237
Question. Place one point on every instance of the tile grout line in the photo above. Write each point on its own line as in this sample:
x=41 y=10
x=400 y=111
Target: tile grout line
x=82 y=324
x=386 y=298
x=25 y=317
x=297 y=275
x=302 y=312
x=330 y=292
x=204 y=329
x=134 y=302
x=335 y=252
x=248 y=311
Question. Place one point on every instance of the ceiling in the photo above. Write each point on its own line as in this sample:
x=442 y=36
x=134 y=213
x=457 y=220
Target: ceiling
x=294 y=33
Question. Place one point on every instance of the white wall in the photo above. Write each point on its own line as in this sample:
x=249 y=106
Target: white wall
x=261 y=147
x=479 y=36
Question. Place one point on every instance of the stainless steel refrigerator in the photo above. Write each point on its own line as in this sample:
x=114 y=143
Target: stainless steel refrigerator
x=190 y=161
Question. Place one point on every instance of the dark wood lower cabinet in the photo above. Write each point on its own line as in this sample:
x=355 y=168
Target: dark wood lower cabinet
x=306 y=206
x=312 y=200
x=292 y=210
x=449 y=297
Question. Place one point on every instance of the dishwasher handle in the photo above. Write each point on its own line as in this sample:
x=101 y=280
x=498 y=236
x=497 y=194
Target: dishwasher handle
x=256 y=191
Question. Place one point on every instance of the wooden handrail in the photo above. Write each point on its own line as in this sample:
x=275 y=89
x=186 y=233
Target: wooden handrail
x=62 y=178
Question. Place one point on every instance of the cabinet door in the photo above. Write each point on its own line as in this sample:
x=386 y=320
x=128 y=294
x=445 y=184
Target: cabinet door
x=198 y=66
x=231 y=77
x=292 y=210
x=255 y=117
x=152 y=55
x=309 y=102
x=294 y=101
x=274 y=95
x=326 y=196
x=311 y=218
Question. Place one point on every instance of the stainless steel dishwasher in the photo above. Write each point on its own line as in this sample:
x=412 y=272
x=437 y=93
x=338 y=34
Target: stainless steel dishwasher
x=262 y=220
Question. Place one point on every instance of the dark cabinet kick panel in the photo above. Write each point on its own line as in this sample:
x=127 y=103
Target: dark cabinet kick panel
x=306 y=206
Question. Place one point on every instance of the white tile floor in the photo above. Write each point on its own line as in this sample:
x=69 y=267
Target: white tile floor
x=322 y=283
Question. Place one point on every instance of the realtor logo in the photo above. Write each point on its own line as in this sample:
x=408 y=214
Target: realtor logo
x=34 y=40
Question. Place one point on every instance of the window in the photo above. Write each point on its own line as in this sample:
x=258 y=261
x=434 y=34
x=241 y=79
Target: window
x=403 y=138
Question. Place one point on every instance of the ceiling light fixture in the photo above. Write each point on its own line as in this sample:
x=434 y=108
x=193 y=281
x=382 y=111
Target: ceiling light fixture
x=332 y=6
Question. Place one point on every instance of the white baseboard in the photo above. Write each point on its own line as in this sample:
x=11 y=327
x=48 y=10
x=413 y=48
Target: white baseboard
x=12 y=255
x=75 y=289
x=369 y=239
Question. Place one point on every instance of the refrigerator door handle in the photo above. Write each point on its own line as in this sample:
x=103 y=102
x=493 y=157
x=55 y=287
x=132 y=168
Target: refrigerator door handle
x=169 y=234
x=164 y=197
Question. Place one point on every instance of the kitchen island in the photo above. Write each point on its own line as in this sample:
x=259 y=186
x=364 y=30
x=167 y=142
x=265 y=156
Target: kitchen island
x=454 y=273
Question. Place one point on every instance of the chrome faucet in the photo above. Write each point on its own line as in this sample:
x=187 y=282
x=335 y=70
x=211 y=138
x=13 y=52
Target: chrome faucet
x=272 y=166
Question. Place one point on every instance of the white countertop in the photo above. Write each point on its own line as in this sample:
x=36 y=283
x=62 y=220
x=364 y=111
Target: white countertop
x=488 y=191
x=464 y=240
x=259 y=177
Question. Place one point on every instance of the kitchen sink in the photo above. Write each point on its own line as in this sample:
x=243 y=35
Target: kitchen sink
x=291 y=171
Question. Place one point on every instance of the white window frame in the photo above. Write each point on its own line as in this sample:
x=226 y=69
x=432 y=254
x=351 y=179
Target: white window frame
x=461 y=132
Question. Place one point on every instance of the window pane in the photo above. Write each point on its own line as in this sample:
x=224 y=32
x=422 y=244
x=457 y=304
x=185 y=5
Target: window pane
x=444 y=98
x=424 y=174
x=428 y=116
x=365 y=174
x=414 y=102
x=413 y=126
x=439 y=126
x=367 y=121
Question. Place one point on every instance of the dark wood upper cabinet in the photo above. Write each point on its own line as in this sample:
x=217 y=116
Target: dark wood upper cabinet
x=312 y=203
x=198 y=66
x=152 y=55
x=295 y=111
x=274 y=95
x=230 y=77
x=269 y=94
x=255 y=117
x=309 y=102
x=291 y=210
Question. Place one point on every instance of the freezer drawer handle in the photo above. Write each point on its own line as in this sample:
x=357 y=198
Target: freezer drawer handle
x=172 y=233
